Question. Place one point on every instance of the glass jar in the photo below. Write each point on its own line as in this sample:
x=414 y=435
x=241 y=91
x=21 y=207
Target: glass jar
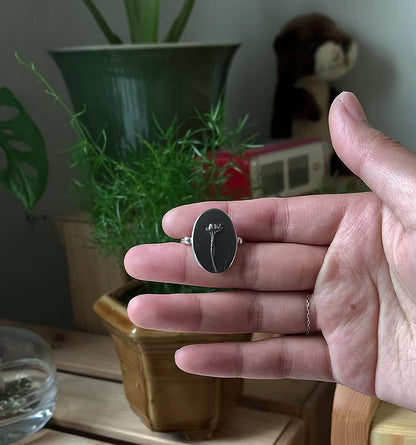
x=27 y=383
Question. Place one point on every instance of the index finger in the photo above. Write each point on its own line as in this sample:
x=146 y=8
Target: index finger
x=304 y=220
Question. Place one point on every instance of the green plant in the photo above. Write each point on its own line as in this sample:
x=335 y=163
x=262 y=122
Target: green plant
x=25 y=173
x=127 y=198
x=143 y=18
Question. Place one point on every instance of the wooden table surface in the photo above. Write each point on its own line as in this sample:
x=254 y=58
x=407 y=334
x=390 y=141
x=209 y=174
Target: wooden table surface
x=92 y=408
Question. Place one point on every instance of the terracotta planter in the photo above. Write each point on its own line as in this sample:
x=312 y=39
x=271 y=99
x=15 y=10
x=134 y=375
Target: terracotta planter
x=163 y=396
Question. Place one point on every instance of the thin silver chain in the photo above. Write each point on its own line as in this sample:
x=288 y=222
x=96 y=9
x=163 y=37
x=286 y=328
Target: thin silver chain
x=308 y=314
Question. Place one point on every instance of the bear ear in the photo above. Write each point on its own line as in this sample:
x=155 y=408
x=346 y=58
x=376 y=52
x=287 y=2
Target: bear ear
x=285 y=41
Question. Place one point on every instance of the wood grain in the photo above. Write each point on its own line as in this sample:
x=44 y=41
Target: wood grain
x=90 y=274
x=100 y=407
x=47 y=436
x=352 y=415
x=309 y=400
x=393 y=426
x=94 y=355
x=78 y=352
x=288 y=396
x=317 y=414
x=294 y=434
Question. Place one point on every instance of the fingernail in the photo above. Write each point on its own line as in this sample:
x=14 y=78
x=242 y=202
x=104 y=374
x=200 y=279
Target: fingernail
x=352 y=106
x=178 y=355
x=167 y=217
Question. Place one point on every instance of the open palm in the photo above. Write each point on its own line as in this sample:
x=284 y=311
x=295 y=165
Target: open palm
x=354 y=254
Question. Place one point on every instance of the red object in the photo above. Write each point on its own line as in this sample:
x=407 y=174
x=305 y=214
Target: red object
x=238 y=185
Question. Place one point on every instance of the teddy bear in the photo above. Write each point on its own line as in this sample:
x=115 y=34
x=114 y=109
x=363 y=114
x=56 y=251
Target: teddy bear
x=311 y=52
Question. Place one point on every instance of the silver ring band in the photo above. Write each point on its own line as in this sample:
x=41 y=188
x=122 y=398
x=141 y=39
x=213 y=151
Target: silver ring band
x=187 y=240
x=214 y=241
x=308 y=314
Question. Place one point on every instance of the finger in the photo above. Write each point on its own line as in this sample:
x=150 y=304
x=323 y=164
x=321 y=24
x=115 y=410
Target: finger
x=222 y=312
x=386 y=166
x=283 y=357
x=306 y=219
x=258 y=266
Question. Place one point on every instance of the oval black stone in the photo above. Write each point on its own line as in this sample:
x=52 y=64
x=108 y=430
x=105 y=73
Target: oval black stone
x=214 y=241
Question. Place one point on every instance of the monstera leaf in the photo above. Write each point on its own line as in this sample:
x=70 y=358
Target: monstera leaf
x=24 y=166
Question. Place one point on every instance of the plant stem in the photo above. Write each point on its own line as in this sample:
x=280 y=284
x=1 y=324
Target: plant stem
x=179 y=24
x=105 y=28
x=49 y=89
x=212 y=252
x=213 y=229
x=76 y=122
x=143 y=17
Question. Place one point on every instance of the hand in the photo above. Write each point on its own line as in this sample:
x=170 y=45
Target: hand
x=355 y=255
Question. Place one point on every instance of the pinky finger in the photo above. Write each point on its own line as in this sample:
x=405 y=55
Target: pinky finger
x=295 y=357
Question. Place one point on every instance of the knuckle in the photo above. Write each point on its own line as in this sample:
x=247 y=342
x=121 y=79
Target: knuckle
x=255 y=314
x=250 y=267
x=238 y=361
x=284 y=362
x=198 y=314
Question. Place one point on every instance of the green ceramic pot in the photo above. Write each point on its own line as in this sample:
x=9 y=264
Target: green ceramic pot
x=125 y=88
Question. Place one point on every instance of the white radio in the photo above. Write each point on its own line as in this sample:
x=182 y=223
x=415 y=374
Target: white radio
x=280 y=168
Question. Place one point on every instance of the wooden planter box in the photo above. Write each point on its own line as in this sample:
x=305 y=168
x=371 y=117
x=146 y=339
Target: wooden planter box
x=90 y=275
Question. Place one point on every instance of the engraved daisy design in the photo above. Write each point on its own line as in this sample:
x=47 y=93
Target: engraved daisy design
x=213 y=229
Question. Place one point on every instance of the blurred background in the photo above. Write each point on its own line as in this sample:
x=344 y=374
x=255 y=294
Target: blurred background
x=33 y=271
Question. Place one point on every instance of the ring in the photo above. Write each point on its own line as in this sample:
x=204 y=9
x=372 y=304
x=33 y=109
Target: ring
x=214 y=241
x=308 y=314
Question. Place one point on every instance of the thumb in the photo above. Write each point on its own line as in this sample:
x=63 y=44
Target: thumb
x=386 y=166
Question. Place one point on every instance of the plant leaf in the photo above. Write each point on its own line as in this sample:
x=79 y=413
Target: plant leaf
x=101 y=22
x=26 y=172
x=143 y=17
x=181 y=20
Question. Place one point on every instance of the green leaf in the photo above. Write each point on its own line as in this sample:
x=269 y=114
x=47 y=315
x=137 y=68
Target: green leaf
x=102 y=23
x=143 y=17
x=181 y=20
x=26 y=171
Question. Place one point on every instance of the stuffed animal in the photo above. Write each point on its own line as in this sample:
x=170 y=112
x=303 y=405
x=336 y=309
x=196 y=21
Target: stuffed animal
x=311 y=52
